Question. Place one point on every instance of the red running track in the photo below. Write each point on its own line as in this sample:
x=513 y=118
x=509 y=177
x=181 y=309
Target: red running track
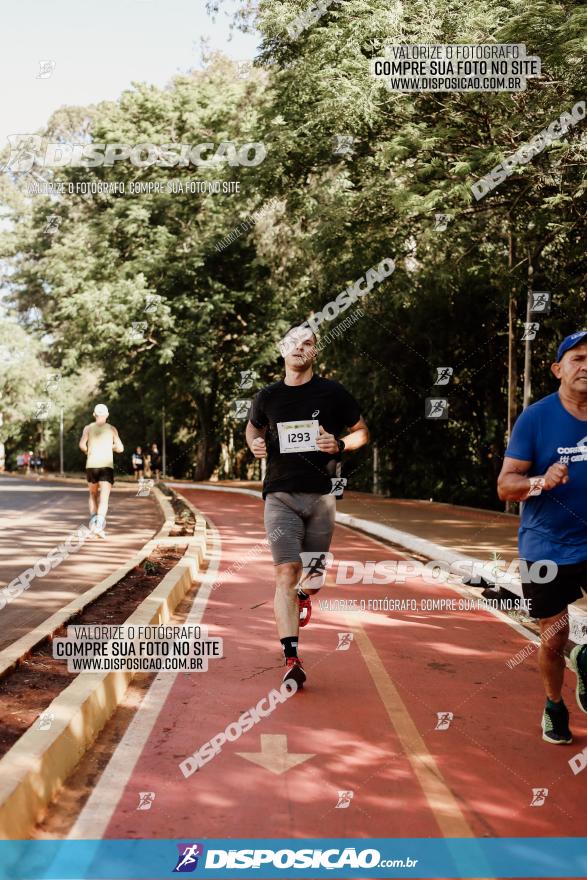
x=367 y=718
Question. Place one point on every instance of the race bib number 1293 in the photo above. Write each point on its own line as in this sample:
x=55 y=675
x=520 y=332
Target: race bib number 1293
x=298 y=436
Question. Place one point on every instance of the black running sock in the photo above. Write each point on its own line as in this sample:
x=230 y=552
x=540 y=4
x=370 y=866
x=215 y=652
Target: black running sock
x=302 y=595
x=290 y=646
x=550 y=704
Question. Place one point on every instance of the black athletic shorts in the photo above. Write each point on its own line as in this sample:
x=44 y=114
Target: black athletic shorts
x=549 y=599
x=97 y=475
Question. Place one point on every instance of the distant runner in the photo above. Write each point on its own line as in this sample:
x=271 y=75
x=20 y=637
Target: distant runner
x=296 y=423
x=546 y=467
x=99 y=441
x=155 y=461
x=138 y=463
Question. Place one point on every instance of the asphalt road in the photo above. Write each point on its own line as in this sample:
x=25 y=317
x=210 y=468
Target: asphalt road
x=37 y=515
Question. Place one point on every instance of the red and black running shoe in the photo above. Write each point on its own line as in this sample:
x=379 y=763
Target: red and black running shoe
x=305 y=611
x=295 y=671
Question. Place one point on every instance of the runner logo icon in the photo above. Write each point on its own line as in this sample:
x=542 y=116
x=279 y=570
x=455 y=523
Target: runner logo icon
x=530 y=330
x=539 y=796
x=444 y=375
x=444 y=719
x=315 y=565
x=46 y=719
x=247 y=378
x=436 y=408
x=344 y=641
x=187 y=860
x=541 y=302
x=146 y=799
x=344 y=800
x=338 y=486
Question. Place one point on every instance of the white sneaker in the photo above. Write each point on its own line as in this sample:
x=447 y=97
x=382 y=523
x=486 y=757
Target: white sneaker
x=97 y=526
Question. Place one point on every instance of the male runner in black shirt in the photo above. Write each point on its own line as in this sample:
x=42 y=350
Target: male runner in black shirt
x=296 y=423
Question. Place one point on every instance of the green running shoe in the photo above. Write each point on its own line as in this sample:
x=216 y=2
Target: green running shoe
x=555 y=726
x=581 y=689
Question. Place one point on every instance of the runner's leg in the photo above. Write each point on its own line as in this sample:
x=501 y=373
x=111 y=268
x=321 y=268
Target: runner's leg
x=578 y=657
x=549 y=603
x=285 y=533
x=105 y=488
x=286 y=603
x=93 y=489
x=319 y=519
x=554 y=633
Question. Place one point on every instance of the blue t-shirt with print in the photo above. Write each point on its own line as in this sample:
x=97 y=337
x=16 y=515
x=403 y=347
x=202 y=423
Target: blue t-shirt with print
x=553 y=524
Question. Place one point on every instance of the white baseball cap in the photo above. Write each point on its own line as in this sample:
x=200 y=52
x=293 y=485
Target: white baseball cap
x=100 y=409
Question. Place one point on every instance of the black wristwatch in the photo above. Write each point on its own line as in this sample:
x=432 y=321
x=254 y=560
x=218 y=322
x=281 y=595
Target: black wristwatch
x=341 y=446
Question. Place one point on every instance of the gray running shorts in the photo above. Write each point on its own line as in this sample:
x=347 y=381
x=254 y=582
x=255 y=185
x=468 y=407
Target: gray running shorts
x=297 y=522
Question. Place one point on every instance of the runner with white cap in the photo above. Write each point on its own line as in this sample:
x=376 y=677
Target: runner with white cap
x=99 y=441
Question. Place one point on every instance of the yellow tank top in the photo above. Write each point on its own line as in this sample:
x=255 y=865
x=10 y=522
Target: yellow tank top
x=100 y=440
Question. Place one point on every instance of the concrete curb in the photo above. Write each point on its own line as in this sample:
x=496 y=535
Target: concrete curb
x=36 y=766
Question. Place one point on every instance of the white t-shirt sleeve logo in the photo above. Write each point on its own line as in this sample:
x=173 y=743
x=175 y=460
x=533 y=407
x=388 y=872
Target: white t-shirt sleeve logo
x=298 y=436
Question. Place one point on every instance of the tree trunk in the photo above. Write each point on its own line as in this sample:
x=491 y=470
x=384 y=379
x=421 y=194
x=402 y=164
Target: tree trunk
x=512 y=354
x=208 y=444
x=528 y=344
x=207 y=455
x=512 y=361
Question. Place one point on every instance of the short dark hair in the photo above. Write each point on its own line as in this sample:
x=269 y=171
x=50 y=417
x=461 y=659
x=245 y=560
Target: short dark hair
x=300 y=324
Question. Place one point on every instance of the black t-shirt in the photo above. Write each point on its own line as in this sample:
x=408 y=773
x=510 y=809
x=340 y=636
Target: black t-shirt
x=321 y=399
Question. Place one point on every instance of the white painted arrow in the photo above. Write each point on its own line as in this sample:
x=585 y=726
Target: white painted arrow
x=274 y=755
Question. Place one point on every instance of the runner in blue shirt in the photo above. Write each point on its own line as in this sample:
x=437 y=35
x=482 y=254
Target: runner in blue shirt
x=546 y=467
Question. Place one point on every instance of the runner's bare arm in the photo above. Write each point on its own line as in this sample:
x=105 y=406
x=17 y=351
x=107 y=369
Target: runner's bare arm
x=358 y=436
x=117 y=442
x=514 y=485
x=255 y=438
x=83 y=443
